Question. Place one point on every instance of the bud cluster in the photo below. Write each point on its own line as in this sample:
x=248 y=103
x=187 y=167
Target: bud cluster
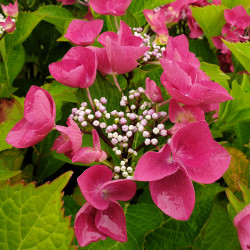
x=123 y=129
x=152 y=54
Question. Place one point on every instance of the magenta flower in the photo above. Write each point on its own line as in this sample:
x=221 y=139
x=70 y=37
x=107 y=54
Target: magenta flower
x=177 y=50
x=70 y=140
x=11 y=9
x=102 y=216
x=182 y=115
x=121 y=51
x=242 y=223
x=77 y=68
x=191 y=155
x=67 y=2
x=38 y=121
x=110 y=7
x=83 y=33
x=153 y=92
x=87 y=155
x=8 y=25
x=191 y=86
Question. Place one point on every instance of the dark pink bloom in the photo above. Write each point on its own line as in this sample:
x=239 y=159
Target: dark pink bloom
x=191 y=155
x=97 y=188
x=195 y=29
x=83 y=33
x=182 y=115
x=153 y=92
x=242 y=223
x=8 y=25
x=38 y=121
x=191 y=86
x=70 y=140
x=156 y=20
x=77 y=68
x=110 y=7
x=67 y=2
x=87 y=155
x=102 y=216
x=89 y=16
x=92 y=224
x=121 y=51
x=177 y=50
x=11 y=9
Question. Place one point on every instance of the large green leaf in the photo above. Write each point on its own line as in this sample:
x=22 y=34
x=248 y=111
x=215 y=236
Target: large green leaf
x=140 y=219
x=241 y=51
x=215 y=74
x=10 y=113
x=230 y=3
x=173 y=234
x=56 y=15
x=14 y=62
x=237 y=110
x=26 y=22
x=219 y=233
x=32 y=218
x=211 y=20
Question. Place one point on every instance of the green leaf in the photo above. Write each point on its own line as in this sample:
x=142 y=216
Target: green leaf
x=237 y=204
x=215 y=74
x=56 y=15
x=46 y=163
x=238 y=169
x=211 y=20
x=26 y=22
x=174 y=234
x=136 y=7
x=237 y=110
x=246 y=83
x=14 y=62
x=241 y=51
x=10 y=113
x=32 y=218
x=140 y=219
x=230 y=3
x=71 y=208
x=219 y=233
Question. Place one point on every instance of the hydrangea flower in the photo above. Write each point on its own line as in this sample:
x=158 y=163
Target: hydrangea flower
x=77 y=68
x=8 y=25
x=191 y=155
x=102 y=216
x=11 y=9
x=83 y=33
x=153 y=92
x=242 y=223
x=38 y=121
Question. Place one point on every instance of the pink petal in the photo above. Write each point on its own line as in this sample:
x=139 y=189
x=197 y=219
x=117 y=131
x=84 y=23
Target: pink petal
x=21 y=136
x=153 y=92
x=96 y=140
x=112 y=222
x=121 y=190
x=214 y=168
x=242 y=223
x=192 y=144
x=90 y=183
x=85 y=155
x=174 y=195
x=85 y=229
x=102 y=38
x=155 y=165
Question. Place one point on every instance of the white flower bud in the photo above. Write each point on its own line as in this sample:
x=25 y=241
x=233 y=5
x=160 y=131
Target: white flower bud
x=129 y=169
x=147 y=142
x=117 y=169
x=118 y=152
x=123 y=163
x=123 y=168
x=125 y=174
x=156 y=131
x=116 y=176
x=154 y=141
x=110 y=135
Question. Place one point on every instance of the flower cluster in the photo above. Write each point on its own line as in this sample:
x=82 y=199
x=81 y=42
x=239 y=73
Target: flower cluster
x=8 y=24
x=173 y=134
x=237 y=20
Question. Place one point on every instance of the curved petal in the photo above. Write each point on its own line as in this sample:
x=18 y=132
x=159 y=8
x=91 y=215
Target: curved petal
x=90 y=183
x=174 y=195
x=242 y=223
x=121 y=190
x=96 y=140
x=85 y=229
x=192 y=144
x=112 y=222
x=155 y=165
x=85 y=155
x=214 y=168
x=102 y=38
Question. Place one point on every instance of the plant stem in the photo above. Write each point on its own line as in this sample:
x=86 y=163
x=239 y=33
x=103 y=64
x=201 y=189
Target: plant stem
x=116 y=24
x=108 y=164
x=90 y=99
x=117 y=84
x=165 y=119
